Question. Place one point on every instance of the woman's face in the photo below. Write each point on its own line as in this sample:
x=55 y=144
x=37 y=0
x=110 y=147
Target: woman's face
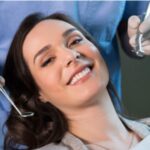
x=67 y=68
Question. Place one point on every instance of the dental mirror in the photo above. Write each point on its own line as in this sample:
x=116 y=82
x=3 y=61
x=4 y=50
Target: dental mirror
x=3 y=91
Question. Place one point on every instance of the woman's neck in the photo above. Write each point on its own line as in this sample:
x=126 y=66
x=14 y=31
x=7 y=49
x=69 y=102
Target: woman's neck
x=99 y=122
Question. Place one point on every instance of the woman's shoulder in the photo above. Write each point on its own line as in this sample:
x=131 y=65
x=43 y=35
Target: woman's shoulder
x=127 y=120
x=139 y=126
x=145 y=121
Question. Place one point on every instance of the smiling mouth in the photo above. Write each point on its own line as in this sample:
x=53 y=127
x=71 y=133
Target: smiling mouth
x=81 y=76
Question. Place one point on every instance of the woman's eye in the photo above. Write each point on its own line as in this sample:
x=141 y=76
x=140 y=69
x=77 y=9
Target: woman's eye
x=76 y=41
x=48 y=61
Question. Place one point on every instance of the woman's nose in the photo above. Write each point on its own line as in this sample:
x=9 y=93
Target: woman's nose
x=70 y=56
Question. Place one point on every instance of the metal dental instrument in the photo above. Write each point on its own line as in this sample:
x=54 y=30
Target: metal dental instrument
x=139 y=50
x=3 y=91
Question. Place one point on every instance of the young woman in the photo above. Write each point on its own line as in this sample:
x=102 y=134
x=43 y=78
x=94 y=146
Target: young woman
x=55 y=69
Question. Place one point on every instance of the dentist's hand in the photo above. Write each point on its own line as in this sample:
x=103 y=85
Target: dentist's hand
x=134 y=26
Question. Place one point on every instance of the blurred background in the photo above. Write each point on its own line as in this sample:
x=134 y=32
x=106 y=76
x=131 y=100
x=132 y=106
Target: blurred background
x=136 y=85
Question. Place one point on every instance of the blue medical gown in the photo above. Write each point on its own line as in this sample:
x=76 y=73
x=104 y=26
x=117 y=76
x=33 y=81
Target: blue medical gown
x=100 y=18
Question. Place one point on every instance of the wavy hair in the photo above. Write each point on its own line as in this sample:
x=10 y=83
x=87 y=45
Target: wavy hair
x=48 y=124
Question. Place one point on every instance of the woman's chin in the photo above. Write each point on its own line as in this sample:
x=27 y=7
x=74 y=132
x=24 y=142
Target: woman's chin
x=88 y=94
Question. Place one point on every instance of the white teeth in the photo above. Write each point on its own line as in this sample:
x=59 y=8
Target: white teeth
x=80 y=75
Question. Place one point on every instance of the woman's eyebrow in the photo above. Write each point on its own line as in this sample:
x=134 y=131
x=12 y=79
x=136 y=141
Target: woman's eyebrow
x=42 y=50
x=67 y=32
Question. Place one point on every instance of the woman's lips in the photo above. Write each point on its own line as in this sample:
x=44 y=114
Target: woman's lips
x=80 y=74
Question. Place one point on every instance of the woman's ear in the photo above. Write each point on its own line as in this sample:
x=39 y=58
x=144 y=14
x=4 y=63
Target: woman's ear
x=42 y=97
